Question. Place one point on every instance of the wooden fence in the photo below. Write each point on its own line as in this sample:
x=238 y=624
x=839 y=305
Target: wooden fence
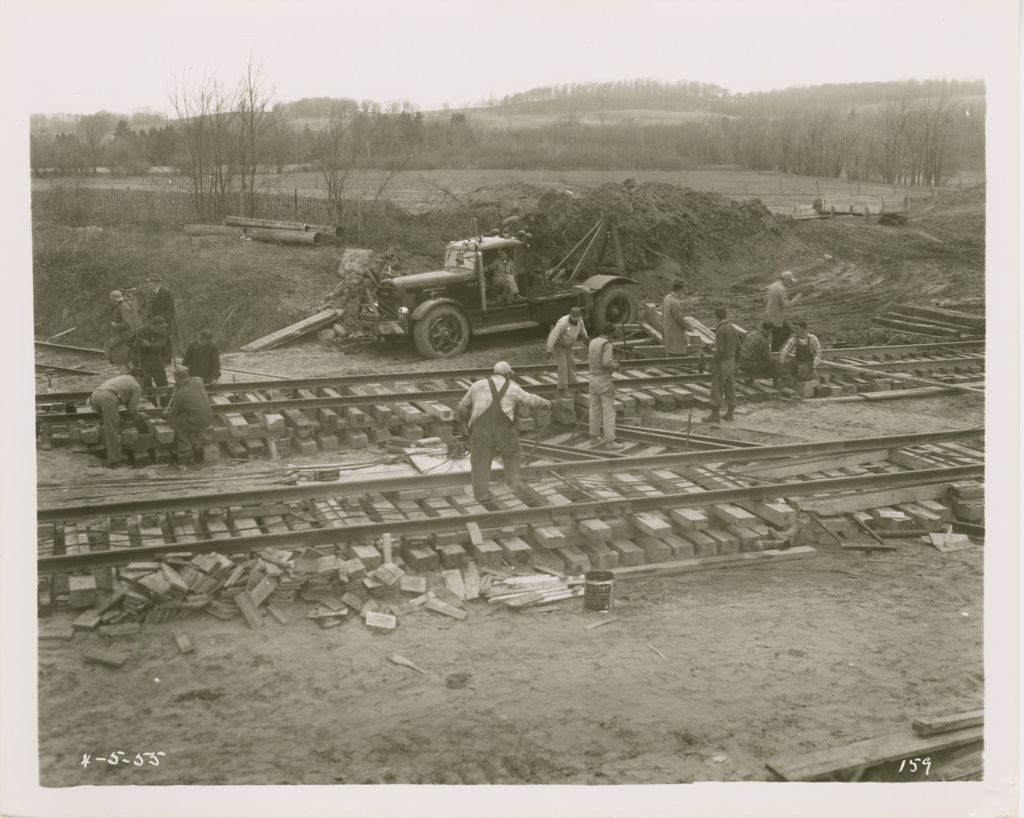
x=114 y=206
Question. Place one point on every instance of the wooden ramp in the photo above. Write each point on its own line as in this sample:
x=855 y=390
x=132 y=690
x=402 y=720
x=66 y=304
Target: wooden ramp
x=293 y=331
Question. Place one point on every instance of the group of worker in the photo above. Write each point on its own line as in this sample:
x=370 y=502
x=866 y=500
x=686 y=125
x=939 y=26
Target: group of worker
x=148 y=343
x=488 y=408
x=141 y=348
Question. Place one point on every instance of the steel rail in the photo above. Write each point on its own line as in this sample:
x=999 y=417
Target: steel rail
x=477 y=372
x=385 y=485
x=496 y=519
x=419 y=396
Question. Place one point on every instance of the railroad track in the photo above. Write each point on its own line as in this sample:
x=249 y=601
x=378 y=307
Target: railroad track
x=255 y=419
x=167 y=556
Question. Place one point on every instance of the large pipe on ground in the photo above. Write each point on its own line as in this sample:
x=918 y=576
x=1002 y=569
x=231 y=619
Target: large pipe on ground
x=270 y=224
x=326 y=230
x=212 y=230
x=282 y=236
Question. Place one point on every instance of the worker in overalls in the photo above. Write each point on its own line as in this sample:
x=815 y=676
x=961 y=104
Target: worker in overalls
x=489 y=408
x=801 y=354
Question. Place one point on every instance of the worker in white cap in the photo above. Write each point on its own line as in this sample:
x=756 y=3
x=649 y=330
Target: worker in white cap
x=489 y=409
x=124 y=322
x=563 y=337
x=776 y=303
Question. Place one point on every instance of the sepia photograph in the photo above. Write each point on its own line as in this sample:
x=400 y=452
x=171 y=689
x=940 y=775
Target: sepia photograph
x=430 y=397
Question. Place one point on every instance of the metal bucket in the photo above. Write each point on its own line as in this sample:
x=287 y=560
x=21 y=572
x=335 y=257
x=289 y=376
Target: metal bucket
x=597 y=590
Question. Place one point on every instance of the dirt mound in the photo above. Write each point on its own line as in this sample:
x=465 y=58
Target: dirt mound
x=665 y=229
x=957 y=217
x=360 y=269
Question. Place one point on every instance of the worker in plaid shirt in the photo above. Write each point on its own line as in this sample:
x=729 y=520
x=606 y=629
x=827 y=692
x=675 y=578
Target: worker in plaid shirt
x=756 y=355
x=804 y=350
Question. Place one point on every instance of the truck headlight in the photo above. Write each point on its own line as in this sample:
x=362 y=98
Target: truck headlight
x=403 y=311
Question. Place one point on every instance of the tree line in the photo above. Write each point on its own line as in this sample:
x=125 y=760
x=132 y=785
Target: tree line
x=225 y=137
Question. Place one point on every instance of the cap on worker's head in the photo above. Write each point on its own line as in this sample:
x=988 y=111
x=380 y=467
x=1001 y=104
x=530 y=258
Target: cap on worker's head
x=181 y=372
x=788 y=276
x=502 y=368
x=678 y=284
x=156 y=277
x=115 y=296
x=575 y=312
x=158 y=320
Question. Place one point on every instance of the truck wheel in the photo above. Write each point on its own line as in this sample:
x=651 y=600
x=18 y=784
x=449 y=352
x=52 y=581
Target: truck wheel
x=442 y=333
x=615 y=306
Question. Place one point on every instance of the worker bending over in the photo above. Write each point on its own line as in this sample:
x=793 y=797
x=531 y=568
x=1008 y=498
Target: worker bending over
x=489 y=409
x=122 y=390
x=563 y=337
x=801 y=354
x=723 y=369
x=602 y=363
x=756 y=356
x=188 y=414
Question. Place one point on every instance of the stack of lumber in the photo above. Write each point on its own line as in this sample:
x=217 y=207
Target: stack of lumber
x=532 y=589
x=932 y=321
x=967 y=499
x=885 y=758
x=283 y=232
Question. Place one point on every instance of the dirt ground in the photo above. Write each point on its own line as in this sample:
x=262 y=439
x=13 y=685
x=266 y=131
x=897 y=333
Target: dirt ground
x=760 y=661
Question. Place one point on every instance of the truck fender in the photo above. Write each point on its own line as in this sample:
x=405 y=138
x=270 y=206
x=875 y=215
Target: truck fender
x=427 y=306
x=599 y=282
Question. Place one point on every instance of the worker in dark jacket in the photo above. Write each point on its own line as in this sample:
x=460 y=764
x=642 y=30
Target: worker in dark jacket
x=188 y=414
x=723 y=368
x=153 y=342
x=489 y=410
x=203 y=358
x=161 y=304
x=123 y=390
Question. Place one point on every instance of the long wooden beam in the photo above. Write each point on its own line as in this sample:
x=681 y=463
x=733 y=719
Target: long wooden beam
x=498 y=519
x=899 y=376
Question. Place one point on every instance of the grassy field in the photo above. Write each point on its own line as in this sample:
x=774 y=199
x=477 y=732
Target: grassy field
x=424 y=190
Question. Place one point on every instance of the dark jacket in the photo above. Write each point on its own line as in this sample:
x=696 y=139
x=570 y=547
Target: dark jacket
x=162 y=303
x=189 y=404
x=153 y=345
x=727 y=342
x=203 y=360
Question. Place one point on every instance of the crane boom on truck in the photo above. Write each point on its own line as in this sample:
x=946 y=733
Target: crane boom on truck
x=442 y=310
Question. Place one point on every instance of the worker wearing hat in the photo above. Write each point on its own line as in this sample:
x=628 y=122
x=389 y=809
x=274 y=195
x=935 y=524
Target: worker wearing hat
x=189 y=414
x=776 y=303
x=489 y=410
x=602 y=363
x=563 y=337
x=153 y=342
x=120 y=343
x=673 y=323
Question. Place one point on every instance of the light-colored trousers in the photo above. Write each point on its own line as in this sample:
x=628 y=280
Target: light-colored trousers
x=106 y=403
x=602 y=414
x=566 y=366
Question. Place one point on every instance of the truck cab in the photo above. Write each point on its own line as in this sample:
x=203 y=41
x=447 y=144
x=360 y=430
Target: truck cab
x=441 y=310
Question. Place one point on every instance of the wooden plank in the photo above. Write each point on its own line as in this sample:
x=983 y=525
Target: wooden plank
x=943 y=724
x=851 y=758
x=292 y=331
x=707 y=563
x=843 y=504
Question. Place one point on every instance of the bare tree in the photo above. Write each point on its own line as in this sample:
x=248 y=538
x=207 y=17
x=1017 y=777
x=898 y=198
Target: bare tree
x=206 y=115
x=255 y=120
x=92 y=130
x=335 y=151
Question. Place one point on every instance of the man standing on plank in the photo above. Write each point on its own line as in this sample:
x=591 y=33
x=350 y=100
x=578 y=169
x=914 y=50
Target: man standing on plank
x=673 y=323
x=489 y=410
x=563 y=337
x=122 y=390
x=723 y=368
x=776 y=303
x=601 y=359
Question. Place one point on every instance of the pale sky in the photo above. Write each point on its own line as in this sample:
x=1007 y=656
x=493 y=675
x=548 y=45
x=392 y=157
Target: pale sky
x=80 y=56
